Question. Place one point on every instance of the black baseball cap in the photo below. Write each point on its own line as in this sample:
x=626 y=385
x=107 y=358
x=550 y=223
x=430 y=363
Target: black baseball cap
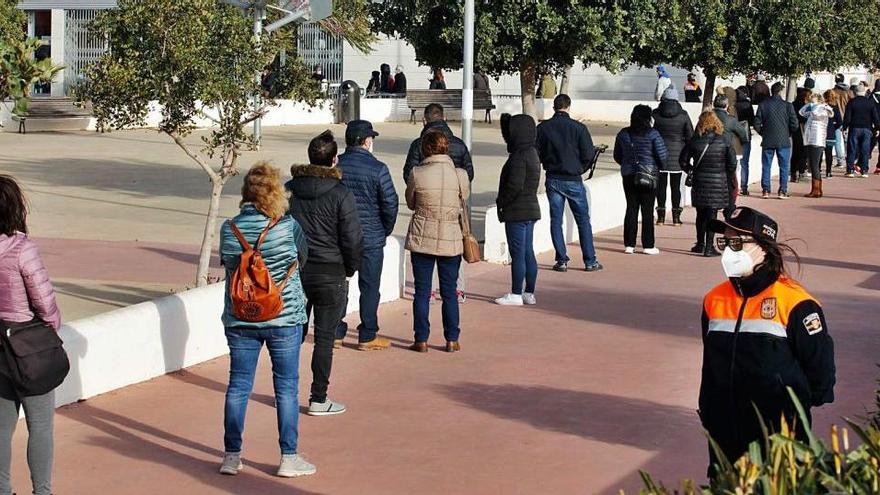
x=747 y=221
x=359 y=129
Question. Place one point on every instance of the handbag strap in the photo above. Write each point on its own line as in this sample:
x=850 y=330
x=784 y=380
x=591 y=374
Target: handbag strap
x=703 y=154
x=465 y=224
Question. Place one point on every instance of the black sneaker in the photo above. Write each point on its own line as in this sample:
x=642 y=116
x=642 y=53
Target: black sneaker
x=560 y=266
x=744 y=192
x=595 y=267
x=698 y=248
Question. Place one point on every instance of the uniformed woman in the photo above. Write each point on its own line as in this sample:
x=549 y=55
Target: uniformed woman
x=762 y=333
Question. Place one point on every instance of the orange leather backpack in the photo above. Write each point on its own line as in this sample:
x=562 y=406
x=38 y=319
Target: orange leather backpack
x=255 y=296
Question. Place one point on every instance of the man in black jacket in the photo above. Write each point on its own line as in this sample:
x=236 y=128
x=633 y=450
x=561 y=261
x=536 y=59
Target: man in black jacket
x=566 y=149
x=860 y=120
x=435 y=120
x=776 y=121
x=327 y=212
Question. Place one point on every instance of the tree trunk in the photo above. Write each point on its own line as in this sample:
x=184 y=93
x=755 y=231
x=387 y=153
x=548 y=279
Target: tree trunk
x=210 y=230
x=566 y=81
x=527 y=75
x=791 y=88
x=709 y=89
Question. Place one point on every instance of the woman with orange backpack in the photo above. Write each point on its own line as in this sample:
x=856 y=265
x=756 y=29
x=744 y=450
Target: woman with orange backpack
x=262 y=249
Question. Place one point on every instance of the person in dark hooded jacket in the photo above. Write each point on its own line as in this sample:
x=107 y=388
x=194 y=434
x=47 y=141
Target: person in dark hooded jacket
x=746 y=115
x=875 y=97
x=327 y=212
x=436 y=120
x=674 y=124
x=386 y=80
x=518 y=206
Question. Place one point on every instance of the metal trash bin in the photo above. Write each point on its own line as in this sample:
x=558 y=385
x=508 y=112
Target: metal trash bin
x=348 y=102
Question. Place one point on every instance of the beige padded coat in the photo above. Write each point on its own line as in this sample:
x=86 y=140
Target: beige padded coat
x=434 y=195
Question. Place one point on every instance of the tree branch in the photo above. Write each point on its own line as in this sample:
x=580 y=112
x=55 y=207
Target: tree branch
x=254 y=116
x=201 y=112
x=196 y=158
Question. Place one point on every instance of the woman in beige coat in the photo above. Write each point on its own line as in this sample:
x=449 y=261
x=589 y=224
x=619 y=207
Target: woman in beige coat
x=436 y=192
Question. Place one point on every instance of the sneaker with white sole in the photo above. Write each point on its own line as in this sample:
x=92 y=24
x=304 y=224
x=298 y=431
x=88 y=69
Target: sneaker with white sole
x=652 y=251
x=529 y=298
x=510 y=300
x=629 y=250
x=294 y=465
x=326 y=408
x=231 y=464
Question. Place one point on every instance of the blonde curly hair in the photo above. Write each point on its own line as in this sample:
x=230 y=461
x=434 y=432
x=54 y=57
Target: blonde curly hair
x=262 y=188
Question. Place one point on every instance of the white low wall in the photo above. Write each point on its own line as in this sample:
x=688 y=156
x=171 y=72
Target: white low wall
x=147 y=340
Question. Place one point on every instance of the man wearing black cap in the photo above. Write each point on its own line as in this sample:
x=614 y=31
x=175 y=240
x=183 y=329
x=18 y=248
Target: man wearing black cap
x=762 y=334
x=370 y=182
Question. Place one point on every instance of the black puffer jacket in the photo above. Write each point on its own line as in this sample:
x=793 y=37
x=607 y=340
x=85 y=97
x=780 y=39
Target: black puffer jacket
x=327 y=212
x=745 y=111
x=459 y=153
x=674 y=124
x=713 y=175
x=518 y=187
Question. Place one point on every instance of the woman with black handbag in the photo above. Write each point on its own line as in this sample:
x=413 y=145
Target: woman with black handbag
x=27 y=301
x=641 y=153
x=710 y=162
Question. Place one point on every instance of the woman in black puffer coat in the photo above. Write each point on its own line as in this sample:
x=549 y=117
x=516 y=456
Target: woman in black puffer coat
x=674 y=124
x=711 y=159
x=518 y=205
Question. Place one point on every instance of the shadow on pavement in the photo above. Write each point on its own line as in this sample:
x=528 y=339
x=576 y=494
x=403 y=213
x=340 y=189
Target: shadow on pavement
x=116 y=295
x=861 y=211
x=215 y=386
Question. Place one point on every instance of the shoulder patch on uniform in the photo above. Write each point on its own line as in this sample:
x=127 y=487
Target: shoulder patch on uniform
x=768 y=308
x=813 y=323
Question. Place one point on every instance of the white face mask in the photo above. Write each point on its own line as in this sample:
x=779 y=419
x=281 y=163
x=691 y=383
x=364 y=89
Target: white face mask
x=740 y=263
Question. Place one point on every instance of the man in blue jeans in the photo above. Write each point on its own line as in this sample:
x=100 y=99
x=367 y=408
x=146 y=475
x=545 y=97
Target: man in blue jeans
x=370 y=182
x=861 y=118
x=566 y=148
x=776 y=121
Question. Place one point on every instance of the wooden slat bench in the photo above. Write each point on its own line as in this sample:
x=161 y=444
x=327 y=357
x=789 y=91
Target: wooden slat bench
x=417 y=100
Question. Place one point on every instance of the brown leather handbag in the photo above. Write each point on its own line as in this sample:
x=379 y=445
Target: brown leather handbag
x=255 y=296
x=471 y=245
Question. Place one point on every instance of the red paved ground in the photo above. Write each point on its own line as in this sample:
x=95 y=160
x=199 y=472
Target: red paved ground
x=574 y=395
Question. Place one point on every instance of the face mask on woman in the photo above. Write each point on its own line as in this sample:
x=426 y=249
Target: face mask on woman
x=742 y=263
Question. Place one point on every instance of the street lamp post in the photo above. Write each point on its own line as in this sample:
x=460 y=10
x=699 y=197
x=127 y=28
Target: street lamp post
x=467 y=93
x=259 y=13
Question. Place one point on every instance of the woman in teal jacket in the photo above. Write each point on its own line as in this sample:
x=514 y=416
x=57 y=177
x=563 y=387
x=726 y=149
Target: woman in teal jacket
x=263 y=200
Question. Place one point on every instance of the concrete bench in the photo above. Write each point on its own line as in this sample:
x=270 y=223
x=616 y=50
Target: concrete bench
x=417 y=100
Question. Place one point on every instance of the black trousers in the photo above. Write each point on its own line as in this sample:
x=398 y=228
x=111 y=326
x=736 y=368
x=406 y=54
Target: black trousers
x=798 y=155
x=326 y=295
x=674 y=182
x=638 y=200
x=829 y=157
x=704 y=216
x=814 y=156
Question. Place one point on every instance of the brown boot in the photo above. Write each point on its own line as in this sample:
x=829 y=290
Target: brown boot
x=814 y=190
x=419 y=347
x=377 y=344
x=820 y=189
x=453 y=346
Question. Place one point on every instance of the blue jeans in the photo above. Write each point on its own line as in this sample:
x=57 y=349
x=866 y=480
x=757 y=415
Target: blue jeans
x=744 y=165
x=783 y=156
x=369 y=281
x=423 y=272
x=838 y=145
x=244 y=348
x=858 y=147
x=523 y=265
x=573 y=191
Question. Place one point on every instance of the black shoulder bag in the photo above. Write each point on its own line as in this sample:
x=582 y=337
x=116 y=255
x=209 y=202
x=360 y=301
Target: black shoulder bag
x=645 y=178
x=33 y=357
x=689 y=180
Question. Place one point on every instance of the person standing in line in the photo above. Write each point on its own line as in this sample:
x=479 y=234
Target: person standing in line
x=834 y=126
x=776 y=121
x=566 y=149
x=762 y=334
x=746 y=115
x=435 y=193
x=860 y=120
x=760 y=90
x=437 y=81
x=399 y=81
x=518 y=207
x=738 y=137
x=327 y=212
x=818 y=116
x=875 y=97
x=639 y=149
x=711 y=160
x=370 y=182
x=674 y=125
x=547 y=87
x=663 y=82
x=798 y=148
x=693 y=93
x=26 y=295
x=481 y=81
x=265 y=225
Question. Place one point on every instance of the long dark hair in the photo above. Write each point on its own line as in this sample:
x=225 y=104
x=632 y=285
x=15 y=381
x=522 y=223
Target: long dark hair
x=13 y=207
x=640 y=119
x=774 y=256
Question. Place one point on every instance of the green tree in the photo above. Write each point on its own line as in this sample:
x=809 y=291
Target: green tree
x=524 y=37
x=19 y=71
x=198 y=60
x=13 y=22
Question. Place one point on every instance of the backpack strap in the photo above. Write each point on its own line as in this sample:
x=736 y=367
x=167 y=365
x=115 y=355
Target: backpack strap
x=272 y=223
x=290 y=271
x=241 y=240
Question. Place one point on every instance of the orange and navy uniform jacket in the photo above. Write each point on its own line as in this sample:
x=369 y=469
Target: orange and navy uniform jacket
x=761 y=334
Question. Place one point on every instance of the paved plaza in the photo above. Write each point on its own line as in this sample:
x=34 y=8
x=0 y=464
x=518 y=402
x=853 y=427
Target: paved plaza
x=572 y=396
x=120 y=216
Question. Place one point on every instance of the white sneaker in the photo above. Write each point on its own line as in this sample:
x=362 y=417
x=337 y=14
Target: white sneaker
x=231 y=464
x=294 y=465
x=652 y=251
x=326 y=408
x=529 y=298
x=630 y=250
x=510 y=300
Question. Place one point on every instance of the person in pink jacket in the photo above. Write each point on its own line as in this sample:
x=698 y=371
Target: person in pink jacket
x=26 y=294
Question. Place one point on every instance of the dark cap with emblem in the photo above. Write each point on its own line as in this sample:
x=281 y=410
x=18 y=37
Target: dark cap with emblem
x=747 y=221
x=357 y=130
